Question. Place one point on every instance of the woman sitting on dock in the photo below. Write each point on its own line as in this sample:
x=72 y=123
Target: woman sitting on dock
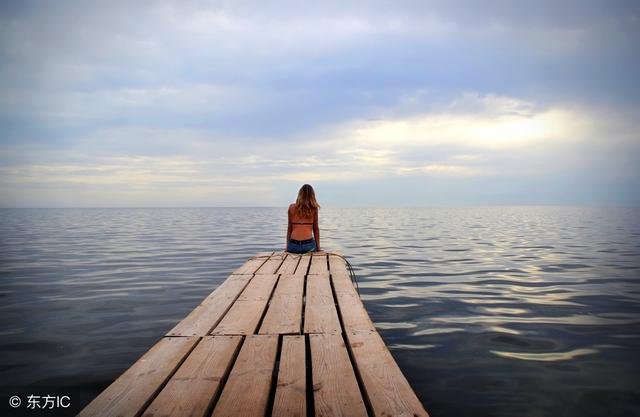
x=303 y=233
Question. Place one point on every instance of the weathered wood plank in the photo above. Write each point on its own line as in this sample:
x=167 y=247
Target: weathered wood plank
x=271 y=265
x=284 y=314
x=290 y=399
x=303 y=266
x=354 y=316
x=318 y=264
x=211 y=310
x=340 y=275
x=135 y=388
x=231 y=287
x=246 y=392
x=385 y=386
x=193 y=375
x=197 y=383
x=251 y=266
x=335 y=389
x=289 y=264
x=245 y=314
x=320 y=314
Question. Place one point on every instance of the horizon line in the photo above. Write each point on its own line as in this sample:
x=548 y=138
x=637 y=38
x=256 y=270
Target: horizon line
x=462 y=205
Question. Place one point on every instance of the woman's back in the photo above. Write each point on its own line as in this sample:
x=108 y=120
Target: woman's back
x=301 y=225
x=303 y=232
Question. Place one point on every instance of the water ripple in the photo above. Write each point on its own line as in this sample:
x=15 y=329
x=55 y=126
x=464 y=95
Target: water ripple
x=546 y=357
x=522 y=311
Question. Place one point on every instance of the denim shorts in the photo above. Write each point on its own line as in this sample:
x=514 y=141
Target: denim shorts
x=301 y=246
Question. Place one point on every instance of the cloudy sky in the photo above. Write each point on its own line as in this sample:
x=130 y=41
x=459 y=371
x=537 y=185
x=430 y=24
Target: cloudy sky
x=195 y=103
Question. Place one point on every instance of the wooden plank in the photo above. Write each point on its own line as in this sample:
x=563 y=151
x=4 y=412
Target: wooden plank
x=211 y=310
x=354 y=316
x=385 y=386
x=353 y=312
x=231 y=287
x=318 y=264
x=246 y=392
x=174 y=378
x=251 y=266
x=335 y=389
x=340 y=274
x=135 y=388
x=259 y=288
x=245 y=313
x=290 y=398
x=289 y=265
x=197 y=383
x=303 y=266
x=271 y=265
x=284 y=314
x=263 y=254
x=320 y=314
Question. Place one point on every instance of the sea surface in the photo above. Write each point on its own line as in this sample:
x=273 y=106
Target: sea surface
x=489 y=311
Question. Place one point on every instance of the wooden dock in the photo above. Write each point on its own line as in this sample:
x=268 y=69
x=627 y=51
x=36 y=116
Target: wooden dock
x=283 y=335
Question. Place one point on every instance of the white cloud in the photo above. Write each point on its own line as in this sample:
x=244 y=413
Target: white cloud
x=489 y=123
x=475 y=136
x=184 y=97
x=444 y=170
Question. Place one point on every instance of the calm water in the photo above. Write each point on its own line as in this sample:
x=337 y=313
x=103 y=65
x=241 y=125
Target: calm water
x=489 y=311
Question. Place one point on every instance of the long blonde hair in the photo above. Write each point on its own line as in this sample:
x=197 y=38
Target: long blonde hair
x=306 y=204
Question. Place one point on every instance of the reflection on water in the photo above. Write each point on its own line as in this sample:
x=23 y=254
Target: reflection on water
x=547 y=357
x=490 y=311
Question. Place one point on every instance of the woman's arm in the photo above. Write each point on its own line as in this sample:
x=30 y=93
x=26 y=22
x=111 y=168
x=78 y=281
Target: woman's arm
x=316 y=231
x=288 y=229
